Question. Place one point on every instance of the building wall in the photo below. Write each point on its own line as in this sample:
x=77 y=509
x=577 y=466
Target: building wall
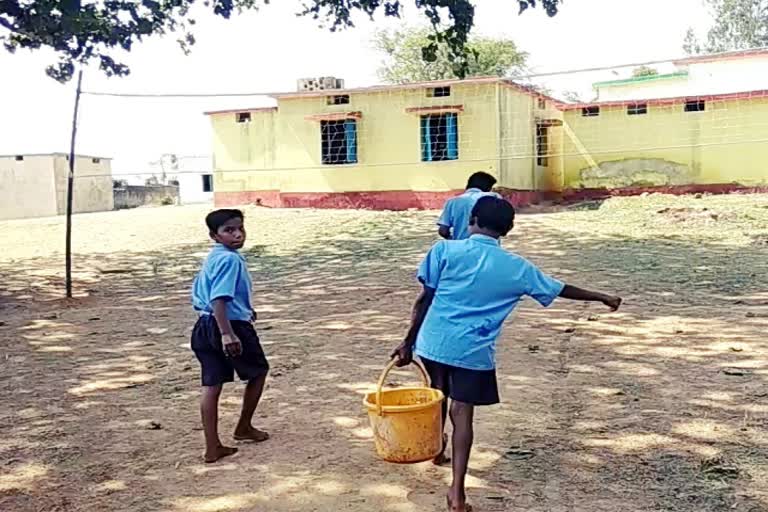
x=276 y=158
x=133 y=196
x=27 y=187
x=191 y=188
x=704 y=78
x=729 y=75
x=190 y=172
x=516 y=140
x=725 y=144
x=92 y=185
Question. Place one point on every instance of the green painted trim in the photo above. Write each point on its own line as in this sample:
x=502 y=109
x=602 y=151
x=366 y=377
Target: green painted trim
x=668 y=76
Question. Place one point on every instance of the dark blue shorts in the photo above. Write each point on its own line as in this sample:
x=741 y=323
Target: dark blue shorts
x=217 y=368
x=476 y=387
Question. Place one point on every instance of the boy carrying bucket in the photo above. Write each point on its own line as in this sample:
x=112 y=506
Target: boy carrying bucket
x=469 y=288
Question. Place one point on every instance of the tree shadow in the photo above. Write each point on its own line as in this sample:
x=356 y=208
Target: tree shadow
x=657 y=407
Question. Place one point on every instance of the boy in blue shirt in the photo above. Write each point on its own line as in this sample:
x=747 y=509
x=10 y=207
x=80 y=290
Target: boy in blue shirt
x=453 y=223
x=223 y=339
x=469 y=289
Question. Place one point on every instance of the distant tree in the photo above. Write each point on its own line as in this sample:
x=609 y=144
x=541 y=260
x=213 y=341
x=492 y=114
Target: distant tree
x=572 y=97
x=84 y=31
x=644 y=71
x=119 y=183
x=739 y=25
x=692 y=44
x=404 y=60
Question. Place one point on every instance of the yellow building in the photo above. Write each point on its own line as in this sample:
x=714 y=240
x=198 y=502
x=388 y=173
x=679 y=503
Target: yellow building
x=714 y=143
x=414 y=145
x=394 y=147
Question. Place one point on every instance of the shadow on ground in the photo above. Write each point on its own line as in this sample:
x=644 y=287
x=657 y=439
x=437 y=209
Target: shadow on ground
x=659 y=407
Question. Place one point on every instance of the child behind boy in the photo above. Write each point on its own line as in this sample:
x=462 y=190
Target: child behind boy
x=469 y=288
x=453 y=223
x=223 y=339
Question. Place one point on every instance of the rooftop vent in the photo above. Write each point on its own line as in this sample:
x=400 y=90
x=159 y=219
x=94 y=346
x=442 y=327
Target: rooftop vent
x=324 y=83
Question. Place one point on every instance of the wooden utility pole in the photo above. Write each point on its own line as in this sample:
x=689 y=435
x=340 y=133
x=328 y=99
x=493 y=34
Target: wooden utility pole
x=71 y=185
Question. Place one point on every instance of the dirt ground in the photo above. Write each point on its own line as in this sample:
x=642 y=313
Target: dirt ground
x=659 y=407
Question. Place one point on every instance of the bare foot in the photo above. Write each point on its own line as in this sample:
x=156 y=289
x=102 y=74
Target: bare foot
x=456 y=505
x=220 y=453
x=442 y=459
x=252 y=434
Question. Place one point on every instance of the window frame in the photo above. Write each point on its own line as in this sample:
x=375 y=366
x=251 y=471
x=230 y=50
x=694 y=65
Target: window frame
x=338 y=99
x=207 y=180
x=450 y=153
x=637 y=109
x=542 y=149
x=439 y=92
x=700 y=106
x=327 y=156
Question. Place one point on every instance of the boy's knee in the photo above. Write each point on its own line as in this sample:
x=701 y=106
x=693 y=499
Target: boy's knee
x=212 y=390
x=259 y=378
x=461 y=408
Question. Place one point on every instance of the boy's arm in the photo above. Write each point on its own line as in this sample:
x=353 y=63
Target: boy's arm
x=224 y=276
x=232 y=345
x=445 y=222
x=575 y=293
x=404 y=352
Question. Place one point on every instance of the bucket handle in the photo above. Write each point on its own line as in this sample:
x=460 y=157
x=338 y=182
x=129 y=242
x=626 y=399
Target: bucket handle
x=392 y=363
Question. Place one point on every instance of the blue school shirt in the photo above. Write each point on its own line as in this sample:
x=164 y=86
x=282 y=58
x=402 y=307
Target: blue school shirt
x=477 y=285
x=458 y=211
x=224 y=276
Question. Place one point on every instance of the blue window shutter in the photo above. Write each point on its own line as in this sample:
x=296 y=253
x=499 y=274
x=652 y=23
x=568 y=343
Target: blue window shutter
x=350 y=135
x=426 y=139
x=452 y=146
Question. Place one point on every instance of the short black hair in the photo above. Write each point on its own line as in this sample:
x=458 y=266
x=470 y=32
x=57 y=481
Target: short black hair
x=481 y=180
x=218 y=218
x=494 y=213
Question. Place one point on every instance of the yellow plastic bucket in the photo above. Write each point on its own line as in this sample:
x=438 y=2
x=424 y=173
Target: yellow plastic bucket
x=406 y=422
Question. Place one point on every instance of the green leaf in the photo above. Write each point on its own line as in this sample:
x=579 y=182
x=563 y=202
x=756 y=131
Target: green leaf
x=80 y=32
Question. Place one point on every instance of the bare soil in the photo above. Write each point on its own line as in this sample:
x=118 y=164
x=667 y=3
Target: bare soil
x=659 y=407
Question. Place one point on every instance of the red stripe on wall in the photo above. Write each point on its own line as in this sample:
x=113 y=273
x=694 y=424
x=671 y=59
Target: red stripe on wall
x=385 y=200
x=405 y=200
x=270 y=198
x=718 y=188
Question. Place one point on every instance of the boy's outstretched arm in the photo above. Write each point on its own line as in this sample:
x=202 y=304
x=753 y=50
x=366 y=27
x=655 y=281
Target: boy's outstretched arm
x=404 y=351
x=575 y=293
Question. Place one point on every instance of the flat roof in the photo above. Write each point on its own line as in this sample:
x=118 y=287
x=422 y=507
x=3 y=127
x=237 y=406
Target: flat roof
x=238 y=110
x=480 y=80
x=77 y=155
x=763 y=93
x=734 y=54
x=488 y=80
x=641 y=79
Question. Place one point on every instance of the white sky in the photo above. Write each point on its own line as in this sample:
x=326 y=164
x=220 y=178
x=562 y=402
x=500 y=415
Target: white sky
x=268 y=50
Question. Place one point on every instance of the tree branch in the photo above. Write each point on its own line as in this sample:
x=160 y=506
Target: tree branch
x=7 y=24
